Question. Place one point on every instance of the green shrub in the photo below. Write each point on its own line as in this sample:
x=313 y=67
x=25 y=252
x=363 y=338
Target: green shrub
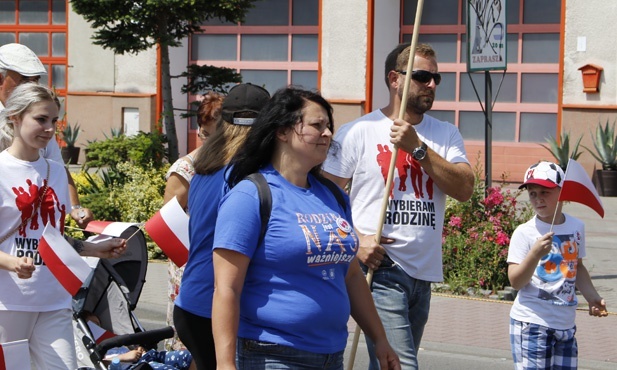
x=126 y=193
x=476 y=236
x=141 y=195
x=129 y=181
x=142 y=150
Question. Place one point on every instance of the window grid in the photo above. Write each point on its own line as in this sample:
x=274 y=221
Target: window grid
x=48 y=29
x=239 y=30
x=519 y=68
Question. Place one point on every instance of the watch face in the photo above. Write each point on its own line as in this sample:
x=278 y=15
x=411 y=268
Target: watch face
x=419 y=154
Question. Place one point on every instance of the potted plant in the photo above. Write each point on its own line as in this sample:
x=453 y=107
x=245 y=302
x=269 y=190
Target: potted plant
x=605 y=152
x=70 y=153
x=561 y=149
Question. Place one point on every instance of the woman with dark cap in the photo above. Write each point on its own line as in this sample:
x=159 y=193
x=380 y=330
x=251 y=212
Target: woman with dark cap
x=192 y=311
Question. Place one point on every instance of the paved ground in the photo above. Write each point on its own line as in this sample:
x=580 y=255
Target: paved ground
x=473 y=334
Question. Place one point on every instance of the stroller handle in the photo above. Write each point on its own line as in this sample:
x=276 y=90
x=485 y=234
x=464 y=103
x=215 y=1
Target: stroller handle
x=146 y=338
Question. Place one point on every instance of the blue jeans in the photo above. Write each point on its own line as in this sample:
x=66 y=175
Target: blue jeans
x=258 y=355
x=403 y=305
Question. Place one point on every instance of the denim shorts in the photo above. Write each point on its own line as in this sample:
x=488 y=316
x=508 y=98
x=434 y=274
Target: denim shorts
x=258 y=355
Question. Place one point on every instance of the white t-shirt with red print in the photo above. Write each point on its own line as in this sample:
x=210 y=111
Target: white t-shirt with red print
x=549 y=299
x=21 y=184
x=362 y=151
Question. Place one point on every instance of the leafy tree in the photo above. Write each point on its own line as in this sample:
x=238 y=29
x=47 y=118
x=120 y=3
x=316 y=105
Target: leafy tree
x=206 y=78
x=131 y=26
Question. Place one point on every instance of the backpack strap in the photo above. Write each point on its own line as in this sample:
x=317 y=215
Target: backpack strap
x=336 y=191
x=265 y=199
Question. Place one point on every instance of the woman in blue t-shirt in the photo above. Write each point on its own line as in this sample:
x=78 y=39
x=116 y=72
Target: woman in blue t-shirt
x=284 y=297
x=192 y=311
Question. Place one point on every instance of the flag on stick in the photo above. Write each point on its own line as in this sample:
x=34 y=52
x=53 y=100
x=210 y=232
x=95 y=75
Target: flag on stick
x=14 y=355
x=99 y=333
x=577 y=187
x=169 y=229
x=63 y=261
x=110 y=228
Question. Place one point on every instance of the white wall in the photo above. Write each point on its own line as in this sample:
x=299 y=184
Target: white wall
x=90 y=67
x=136 y=73
x=343 y=49
x=179 y=60
x=387 y=30
x=593 y=20
x=94 y=69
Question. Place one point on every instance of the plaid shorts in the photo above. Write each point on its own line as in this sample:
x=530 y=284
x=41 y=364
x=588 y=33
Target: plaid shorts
x=538 y=347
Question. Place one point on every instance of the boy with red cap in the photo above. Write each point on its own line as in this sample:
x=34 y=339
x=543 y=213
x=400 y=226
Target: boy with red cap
x=545 y=263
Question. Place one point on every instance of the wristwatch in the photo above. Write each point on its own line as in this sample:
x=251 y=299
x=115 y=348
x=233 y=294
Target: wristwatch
x=81 y=213
x=420 y=152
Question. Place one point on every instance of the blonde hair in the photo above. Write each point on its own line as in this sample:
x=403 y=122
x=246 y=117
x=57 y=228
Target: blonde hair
x=221 y=147
x=20 y=101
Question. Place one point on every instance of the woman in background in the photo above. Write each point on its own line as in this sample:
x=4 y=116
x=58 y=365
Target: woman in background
x=178 y=178
x=192 y=313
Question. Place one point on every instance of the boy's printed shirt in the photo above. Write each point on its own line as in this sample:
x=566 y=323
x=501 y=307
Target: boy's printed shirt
x=555 y=275
x=550 y=297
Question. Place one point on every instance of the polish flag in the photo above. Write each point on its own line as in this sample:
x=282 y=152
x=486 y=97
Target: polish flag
x=14 y=355
x=99 y=333
x=63 y=261
x=577 y=187
x=110 y=228
x=169 y=229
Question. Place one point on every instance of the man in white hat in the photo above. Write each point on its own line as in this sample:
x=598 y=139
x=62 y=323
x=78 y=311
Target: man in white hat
x=18 y=65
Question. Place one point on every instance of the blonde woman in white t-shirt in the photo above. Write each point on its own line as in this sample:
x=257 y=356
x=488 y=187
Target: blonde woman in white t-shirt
x=34 y=193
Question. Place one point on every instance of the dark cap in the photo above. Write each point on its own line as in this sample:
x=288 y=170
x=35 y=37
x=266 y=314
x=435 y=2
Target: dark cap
x=244 y=98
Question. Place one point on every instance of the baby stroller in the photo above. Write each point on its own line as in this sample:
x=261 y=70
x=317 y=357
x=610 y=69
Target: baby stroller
x=110 y=296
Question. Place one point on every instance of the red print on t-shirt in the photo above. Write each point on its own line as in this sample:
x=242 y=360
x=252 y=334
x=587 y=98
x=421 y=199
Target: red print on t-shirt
x=26 y=203
x=404 y=162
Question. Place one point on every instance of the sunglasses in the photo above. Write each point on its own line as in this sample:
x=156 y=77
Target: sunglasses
x=423 y=76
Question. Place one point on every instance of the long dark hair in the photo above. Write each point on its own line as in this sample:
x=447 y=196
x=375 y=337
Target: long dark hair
x=283 y=111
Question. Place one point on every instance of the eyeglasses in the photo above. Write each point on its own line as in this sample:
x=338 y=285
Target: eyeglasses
x=423 y=76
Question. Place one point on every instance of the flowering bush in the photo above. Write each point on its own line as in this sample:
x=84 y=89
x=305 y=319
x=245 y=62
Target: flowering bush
x=476 y=236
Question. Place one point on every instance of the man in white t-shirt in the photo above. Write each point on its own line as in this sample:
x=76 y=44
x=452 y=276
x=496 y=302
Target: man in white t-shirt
x=18 y=65
x=431 y=163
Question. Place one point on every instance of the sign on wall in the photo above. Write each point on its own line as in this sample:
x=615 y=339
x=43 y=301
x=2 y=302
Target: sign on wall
x=486 y=35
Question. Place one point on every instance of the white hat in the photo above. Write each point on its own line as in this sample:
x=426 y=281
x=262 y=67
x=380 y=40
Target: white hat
x=21 y=59
x=547 y=174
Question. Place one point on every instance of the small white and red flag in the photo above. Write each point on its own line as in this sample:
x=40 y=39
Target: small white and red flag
x=13 y=355
x=99 y=333
x=110 y=228
x=63 y=261
x=169 y=229
x=577 y=187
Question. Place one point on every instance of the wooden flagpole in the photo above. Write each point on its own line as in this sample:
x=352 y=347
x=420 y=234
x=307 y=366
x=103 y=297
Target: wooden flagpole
x=386 y=196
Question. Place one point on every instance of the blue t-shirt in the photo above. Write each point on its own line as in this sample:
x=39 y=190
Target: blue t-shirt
x=294 y=293
x=197 y=286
